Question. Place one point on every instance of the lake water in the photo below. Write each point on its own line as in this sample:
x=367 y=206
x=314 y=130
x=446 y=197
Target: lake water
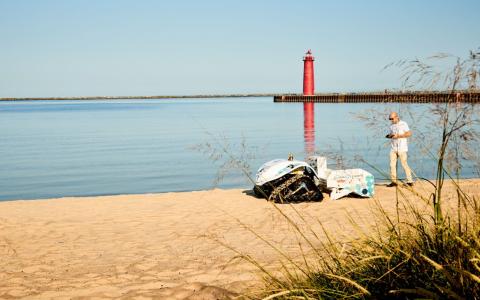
x=81 y=148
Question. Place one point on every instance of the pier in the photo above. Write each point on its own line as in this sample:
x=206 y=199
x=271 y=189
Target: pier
x=384 y=97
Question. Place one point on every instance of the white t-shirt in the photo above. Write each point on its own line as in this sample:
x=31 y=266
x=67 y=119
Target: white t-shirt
x=399 y=145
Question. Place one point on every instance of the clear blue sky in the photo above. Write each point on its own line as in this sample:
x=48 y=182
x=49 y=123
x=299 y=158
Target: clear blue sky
x=74 y=48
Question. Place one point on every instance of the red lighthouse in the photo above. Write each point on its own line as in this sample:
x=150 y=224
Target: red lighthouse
x=308 y=107
x=308 y=78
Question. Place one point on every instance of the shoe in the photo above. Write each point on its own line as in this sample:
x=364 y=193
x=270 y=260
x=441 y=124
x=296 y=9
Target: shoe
x=391 y=184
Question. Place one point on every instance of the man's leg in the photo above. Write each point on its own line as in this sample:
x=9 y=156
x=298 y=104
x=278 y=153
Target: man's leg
x=403 y=161
x=393 y=166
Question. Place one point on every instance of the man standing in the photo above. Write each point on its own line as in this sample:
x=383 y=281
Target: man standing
x=399 y=132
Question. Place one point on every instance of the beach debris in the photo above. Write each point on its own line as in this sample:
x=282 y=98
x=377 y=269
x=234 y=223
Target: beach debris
x=290 y=180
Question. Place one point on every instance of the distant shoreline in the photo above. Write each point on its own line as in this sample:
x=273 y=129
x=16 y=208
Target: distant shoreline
x=472 y=96
x=137 y=97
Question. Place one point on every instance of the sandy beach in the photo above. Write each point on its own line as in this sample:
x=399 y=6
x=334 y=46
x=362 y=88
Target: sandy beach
x=162 y=246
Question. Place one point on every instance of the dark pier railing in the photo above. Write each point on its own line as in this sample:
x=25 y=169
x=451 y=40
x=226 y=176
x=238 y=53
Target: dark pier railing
x=401 y=97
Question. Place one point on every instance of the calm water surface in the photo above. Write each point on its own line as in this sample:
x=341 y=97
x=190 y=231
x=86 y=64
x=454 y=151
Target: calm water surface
x=79 y=148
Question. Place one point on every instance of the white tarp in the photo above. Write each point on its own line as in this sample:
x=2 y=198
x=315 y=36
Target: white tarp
x=344 y=182
x=340 y=183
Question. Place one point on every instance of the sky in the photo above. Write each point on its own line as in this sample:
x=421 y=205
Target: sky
x=113 y=47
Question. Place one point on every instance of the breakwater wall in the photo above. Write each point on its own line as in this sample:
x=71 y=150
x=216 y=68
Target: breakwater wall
x=401 y=97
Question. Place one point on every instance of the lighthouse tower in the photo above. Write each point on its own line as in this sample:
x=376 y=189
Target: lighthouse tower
x=308 y=78
x=308 y=107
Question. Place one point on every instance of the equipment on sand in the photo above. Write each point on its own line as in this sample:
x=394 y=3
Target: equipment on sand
x=290 y=180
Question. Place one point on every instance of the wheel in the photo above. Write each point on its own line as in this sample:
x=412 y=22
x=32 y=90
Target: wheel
x=297 y=188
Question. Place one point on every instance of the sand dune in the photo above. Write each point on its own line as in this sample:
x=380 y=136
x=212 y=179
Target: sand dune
x=162 y=246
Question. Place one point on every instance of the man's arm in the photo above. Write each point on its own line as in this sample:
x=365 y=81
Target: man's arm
x=403 y=135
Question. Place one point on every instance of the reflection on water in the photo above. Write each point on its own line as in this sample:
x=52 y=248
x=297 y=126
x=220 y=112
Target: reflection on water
x=309 y=128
